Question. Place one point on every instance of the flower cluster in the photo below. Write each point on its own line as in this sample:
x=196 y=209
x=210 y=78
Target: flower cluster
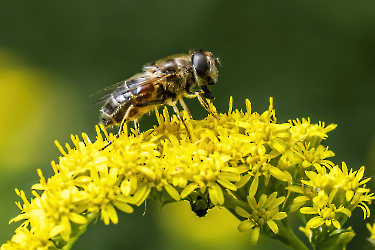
x=257 y=169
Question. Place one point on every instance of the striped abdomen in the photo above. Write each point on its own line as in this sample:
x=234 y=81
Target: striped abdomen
x=128 y=96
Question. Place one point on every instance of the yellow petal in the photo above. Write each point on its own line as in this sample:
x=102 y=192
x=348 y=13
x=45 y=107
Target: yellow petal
x=336 y=224
x=227 y=184
x=242 y=212
x=216 y=194
x=188 y=189
x=56 y=230
x=308 y=210
x=65 y=234
x=172 y=192
x=254 y=186
x=280 y=216
x=296 y=206
x=255 y=236
x=112 y=213
x=246 y=225
x=244 y=179
x=77 y=218
x=315 y=222
x=123 y=206
x=278 y=174
x=296 y=189
x=301 y=199
x=252 y=202
x=273 y=226
x=141 y=195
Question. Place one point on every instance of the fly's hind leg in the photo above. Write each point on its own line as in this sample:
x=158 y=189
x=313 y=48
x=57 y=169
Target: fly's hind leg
x=124 y=121
x=122 y=126
x=136 y=126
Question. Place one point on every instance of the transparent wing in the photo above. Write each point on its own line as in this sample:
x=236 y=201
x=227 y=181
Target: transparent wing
x=129 y=85
x=105 y=93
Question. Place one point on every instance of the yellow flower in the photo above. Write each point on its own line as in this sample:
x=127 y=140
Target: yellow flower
x=37 y=238
x=222 y=162
x=313 y=133
x=266 y=211
x=308 y=193
x=315 y=157
x=326 y=210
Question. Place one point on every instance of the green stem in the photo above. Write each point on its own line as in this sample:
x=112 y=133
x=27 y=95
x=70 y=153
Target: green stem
x=231 y=202
x=287 y=236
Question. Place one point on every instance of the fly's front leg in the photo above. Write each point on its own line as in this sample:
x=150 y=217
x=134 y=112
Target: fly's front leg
x=197 y=94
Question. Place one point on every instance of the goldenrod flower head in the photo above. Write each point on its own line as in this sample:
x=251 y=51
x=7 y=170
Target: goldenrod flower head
x=325 y=210
x=259 y=170
x=312 y=157
x=265 y=212
x=331 y=193
x=313 y=133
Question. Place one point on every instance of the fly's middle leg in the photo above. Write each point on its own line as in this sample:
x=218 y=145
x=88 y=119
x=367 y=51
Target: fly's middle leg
x=173 y=104
x=185 y=107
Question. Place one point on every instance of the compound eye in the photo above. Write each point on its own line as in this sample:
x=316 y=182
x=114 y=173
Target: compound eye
x=201 y=64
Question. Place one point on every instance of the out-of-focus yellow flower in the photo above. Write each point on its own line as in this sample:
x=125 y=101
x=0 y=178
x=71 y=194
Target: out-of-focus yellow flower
x=372 y=231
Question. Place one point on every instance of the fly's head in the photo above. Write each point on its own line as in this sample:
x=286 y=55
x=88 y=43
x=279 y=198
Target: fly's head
x=205 y=70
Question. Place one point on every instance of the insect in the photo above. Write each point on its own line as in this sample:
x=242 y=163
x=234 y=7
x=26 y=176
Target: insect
x=201 y=205
x=165 y=81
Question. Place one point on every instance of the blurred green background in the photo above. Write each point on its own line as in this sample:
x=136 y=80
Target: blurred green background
x=316 y=58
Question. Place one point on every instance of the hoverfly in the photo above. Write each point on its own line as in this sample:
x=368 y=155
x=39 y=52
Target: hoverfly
x=165 y=81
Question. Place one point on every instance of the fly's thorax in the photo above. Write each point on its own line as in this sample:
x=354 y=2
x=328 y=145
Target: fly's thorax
x=174 y=66
x=178 y=84
x=179 y=75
